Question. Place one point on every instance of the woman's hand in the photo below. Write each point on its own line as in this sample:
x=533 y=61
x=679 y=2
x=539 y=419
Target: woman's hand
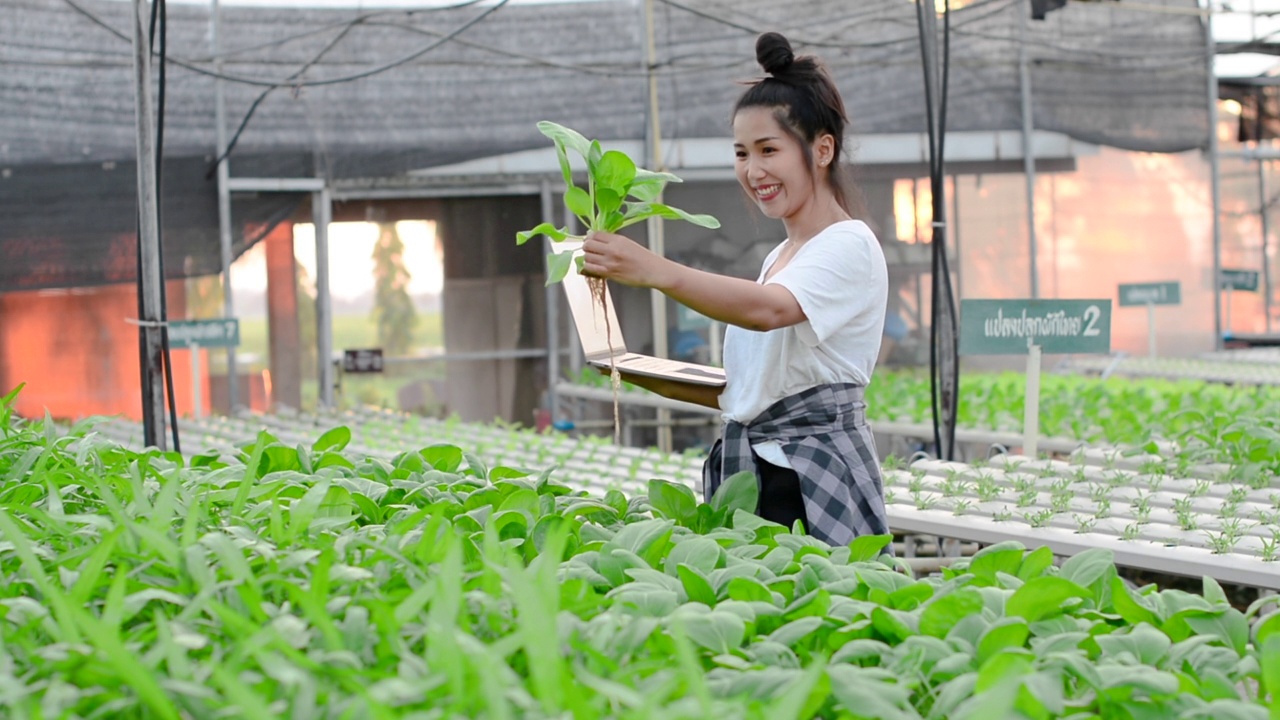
x=619 y=258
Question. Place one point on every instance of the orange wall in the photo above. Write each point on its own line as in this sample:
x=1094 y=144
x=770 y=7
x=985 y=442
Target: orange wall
x=78 y=356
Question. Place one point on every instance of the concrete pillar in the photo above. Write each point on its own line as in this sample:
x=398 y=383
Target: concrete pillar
x=284 y=334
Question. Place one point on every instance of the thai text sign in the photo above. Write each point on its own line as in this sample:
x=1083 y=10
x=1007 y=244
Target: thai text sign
x=1246 y=280
x=204 y=333
x=1010 y=327
x=1157 y=293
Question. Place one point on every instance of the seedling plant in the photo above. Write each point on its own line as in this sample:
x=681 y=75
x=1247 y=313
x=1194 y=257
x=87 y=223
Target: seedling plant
x=618 y=194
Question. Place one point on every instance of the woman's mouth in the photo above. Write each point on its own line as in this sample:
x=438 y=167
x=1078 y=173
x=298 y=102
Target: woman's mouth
x=764 y=193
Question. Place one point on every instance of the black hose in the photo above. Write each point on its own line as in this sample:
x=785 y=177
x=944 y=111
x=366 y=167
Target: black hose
x=160 y=22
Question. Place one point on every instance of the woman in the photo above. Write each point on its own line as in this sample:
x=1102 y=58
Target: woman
x=803 y=339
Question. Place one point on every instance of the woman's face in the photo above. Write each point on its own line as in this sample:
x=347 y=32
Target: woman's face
x=770 y=164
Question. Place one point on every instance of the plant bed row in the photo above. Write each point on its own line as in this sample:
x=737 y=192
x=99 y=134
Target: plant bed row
x=306 y=581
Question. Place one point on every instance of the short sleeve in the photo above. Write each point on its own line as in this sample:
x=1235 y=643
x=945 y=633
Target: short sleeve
x=835 y=279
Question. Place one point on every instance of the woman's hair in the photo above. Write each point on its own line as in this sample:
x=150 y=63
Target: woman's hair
x=805 y=101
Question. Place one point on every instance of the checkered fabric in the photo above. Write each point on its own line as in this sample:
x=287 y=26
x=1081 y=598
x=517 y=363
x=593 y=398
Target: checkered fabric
x=824 y=433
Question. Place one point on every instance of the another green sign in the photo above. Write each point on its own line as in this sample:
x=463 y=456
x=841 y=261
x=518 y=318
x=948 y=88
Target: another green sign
x=1157 y=293
x=1009 y=327
x=1246 y=280
x=205 y=333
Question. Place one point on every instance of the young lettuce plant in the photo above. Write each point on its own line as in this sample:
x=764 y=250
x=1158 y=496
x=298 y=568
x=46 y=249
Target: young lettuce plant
x=618 y=194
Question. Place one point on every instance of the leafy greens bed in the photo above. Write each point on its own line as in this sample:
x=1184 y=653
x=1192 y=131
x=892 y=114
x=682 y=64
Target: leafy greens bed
x=1209 y=423
x=309 y=582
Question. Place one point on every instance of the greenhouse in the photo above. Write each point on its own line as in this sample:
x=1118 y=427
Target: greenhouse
x=639 y=359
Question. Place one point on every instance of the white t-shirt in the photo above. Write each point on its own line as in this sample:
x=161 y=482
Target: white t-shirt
x=841 y=282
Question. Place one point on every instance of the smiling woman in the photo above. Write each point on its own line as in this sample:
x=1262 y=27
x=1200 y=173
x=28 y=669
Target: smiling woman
x=803 y=338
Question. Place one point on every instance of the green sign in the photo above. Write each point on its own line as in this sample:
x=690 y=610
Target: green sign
x=1010 y=327
x=1158 y=293
x=205 y=333
x=1246 y=280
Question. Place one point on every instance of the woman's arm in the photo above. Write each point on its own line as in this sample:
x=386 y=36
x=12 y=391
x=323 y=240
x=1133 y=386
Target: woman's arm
x=703 y=395
x=730 y=300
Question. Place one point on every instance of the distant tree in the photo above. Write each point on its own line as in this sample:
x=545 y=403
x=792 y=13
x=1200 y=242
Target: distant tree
x=393 y=310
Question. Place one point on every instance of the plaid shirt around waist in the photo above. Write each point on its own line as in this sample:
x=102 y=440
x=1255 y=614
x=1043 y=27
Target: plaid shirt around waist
x=824 y=433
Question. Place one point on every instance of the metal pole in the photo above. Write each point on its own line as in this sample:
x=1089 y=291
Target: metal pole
x=1028 y=158
x=153 y=389
x=1215 y=183
x=553 y=315
x=657 y=240
x=224 y=201
x=321 y=214
x=955 y=234
x=1263 y=192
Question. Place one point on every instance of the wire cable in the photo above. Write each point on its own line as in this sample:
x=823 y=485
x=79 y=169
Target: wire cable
x=305 y=83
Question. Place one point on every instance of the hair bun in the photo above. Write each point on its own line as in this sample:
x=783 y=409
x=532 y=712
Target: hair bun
x=774 y=54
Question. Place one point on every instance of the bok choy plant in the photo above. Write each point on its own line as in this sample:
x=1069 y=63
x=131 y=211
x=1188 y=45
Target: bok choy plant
x=618 y=194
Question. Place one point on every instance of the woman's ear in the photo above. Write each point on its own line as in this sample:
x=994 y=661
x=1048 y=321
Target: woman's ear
x=824 y=150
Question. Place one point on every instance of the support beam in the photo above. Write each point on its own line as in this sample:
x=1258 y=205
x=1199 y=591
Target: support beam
x=153 y=387
x=321 y=212
x=283 y=333
x=553 y=313
x=1028 y=153
x=1265 y=215
x=1215 y=182
x=224 y=200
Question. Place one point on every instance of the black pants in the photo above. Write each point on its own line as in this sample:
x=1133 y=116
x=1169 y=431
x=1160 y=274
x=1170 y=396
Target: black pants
x=780 y=498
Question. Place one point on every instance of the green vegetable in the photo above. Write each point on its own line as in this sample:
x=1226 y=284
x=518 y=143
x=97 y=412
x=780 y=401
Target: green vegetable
x=618 y=194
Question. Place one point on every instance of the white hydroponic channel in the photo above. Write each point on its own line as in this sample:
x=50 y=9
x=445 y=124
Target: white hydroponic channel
x=1190 y=526
x=1238 y=371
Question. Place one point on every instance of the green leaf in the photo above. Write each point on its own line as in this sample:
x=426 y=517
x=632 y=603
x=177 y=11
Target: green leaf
x=868 y=547
x=443 y=457
x=942 y=614
x=558 y=264
x=748 y=589
x=1003 y=557
x=647 y=186
x=697 y=552
x=1228 y=625
x=551 y=231
x=564 y=137
x=595 y=154
x=696 y=585
x=741 y=491
x=1087 y=567
x=672 y=500
x=579 y=203
x=609 y=201
x=1003 y=666
x=637 y=212
x=335 y=439
x=1007 y=633
x=1035 y=563
x=864 y=696
x=615 y=172
x=1133 y=608
x=796 y=630
x=1043 y=596
x=717 y=631
x=1270 y=661
x=1146 y=644
x=891 y=624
